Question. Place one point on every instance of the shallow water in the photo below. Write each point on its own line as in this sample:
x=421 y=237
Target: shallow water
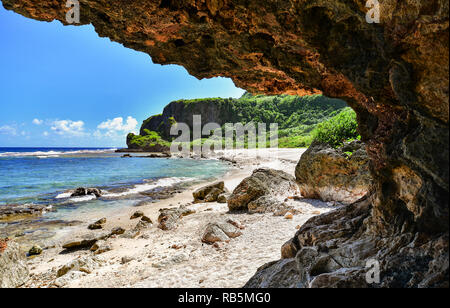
x=44 y=175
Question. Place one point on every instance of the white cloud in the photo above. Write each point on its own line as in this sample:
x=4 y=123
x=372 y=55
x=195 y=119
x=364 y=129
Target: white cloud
x=12 y=130
x=118 y=124
x=45 y=134
x=37 y=122
x=116 y=128
x=68 y=127
x=8 y=130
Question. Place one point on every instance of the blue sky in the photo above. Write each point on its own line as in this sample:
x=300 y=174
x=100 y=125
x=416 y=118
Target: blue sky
x=65 y=86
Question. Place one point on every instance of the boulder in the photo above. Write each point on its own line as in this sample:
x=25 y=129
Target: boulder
x=81 y=191
x=35 y=251
x=137 y=215
x=332 y=174
x=101 y=247
x=85 y=241
x=221 y=231
x=13 y=265
x=97 y=225
x=168 y=218
x=84 y=264
x=209 y=193
x=117 y=231
x=263 y=191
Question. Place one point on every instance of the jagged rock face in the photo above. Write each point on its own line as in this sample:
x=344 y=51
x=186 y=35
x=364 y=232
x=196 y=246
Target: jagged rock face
x=183 y=112
x=394 y=74
x=336 y=250
x=13 y=265
x=334 y=174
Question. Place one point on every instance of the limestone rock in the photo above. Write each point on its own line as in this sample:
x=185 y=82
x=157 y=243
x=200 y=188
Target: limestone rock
x=101 y=247
x=13 y=265
x=117 y=231
x=13 y=212
x=171 y=260
x=220 y=231
x=69 y=277
x=83 y=264
x=97 y=225
x=214 y=234
x=85 y=241
x=342 y=278
x=263 y=191
x=288 y=250
x=137 y=214
x=146 y=219
x=168 y=218
x=280 y=274
x=209 y=193
x=35 y=250
x=81 y=191
x=334 y=174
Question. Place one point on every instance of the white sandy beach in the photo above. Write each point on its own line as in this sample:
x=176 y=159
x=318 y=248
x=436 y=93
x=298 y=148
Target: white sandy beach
x=178 y=258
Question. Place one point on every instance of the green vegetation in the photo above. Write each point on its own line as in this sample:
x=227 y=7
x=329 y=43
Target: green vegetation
x=338 y=129
x=300 y=119
x=151 y=139
x=287 y=110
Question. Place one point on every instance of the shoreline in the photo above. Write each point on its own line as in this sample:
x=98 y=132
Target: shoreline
x=152 y=260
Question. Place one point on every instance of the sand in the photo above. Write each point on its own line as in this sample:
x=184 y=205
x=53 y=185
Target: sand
x=178 y=258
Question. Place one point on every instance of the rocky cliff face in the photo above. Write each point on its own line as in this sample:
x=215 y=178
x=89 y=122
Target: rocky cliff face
x=394 y=74
x=219 y=112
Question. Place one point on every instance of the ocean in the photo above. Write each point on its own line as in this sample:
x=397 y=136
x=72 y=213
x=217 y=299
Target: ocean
x=44 y=176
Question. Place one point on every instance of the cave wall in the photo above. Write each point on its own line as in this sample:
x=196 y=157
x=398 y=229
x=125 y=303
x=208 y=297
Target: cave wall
x=394 y=74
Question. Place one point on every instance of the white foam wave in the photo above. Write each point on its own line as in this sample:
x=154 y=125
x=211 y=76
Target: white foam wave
x=166 y=182
x=42 y=154
x=136 y=189
x=63 y=195
x=82 y=199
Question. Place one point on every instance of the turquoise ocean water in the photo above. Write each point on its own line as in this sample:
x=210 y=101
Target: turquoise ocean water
x=44 y=175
